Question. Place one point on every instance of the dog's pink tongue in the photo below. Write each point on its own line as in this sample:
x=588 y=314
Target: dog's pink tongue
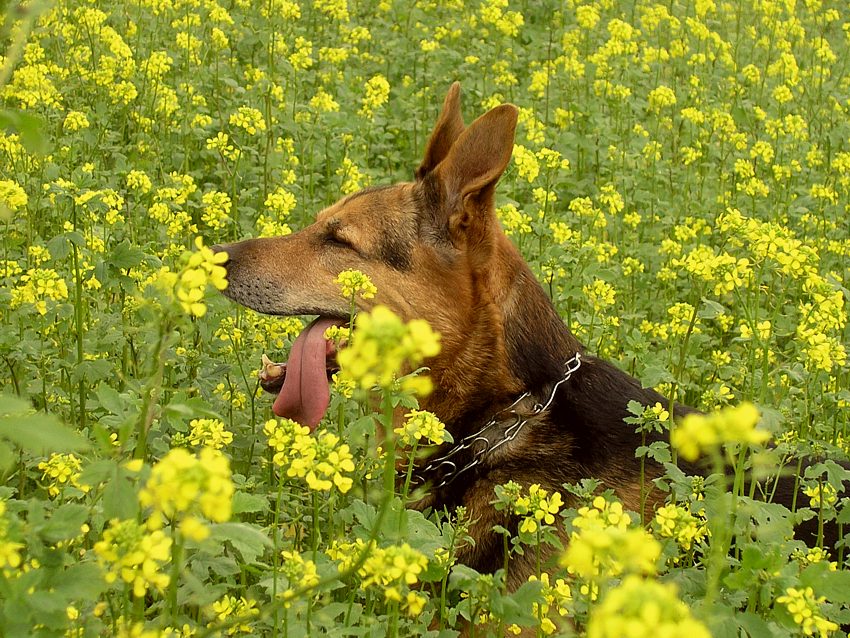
x=305 y=394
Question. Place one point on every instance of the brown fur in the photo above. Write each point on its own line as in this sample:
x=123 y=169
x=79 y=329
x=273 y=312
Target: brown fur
x=435 y=250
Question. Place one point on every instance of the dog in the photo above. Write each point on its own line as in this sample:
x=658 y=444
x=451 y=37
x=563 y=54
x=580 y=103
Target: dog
x=511 y=382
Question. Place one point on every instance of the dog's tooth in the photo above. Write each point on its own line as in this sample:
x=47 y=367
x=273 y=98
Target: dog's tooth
x=270 y=369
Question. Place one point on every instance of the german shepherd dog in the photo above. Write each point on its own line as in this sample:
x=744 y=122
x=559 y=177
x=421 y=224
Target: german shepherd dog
x=435 y=251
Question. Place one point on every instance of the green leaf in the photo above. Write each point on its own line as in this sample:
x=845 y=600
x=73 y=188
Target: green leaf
x=654 y=375
x=110 y=399
x=119 y=499
x=7 y=458
x=246 y=539
x=65 y=523
x=125 y=255
x=246 y=503
x=29 y=127
x=710 y=309
x=754 y=626
x=98 y=472
x=83 y=581
x=38 y=433
x=835 y=585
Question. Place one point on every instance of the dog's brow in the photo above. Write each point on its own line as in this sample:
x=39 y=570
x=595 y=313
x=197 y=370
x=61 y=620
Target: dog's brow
x=367 y=191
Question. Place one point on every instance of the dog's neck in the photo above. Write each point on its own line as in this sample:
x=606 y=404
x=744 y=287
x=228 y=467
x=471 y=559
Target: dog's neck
x=516 y=343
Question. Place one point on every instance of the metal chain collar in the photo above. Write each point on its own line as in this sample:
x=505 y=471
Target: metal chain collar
x=480 y=443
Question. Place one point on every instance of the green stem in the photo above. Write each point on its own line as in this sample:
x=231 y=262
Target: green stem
x=176 y=559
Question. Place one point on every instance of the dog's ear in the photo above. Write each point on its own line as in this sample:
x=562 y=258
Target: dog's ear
x=478 y=158
x=446 y=131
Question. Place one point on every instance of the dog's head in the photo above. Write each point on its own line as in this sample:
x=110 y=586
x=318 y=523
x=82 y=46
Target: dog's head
x=427 y=245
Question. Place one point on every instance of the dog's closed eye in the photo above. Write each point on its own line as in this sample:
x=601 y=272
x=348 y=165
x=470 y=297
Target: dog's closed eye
x=333 y=238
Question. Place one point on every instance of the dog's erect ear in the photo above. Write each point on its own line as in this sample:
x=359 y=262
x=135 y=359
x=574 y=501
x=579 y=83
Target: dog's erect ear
x=478 y=158
x=447 y=130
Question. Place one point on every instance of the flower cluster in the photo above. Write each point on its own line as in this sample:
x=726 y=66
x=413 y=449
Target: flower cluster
x=322 y=461
x=249 y=119
x=61 y=470
x=12 y=196
x=421 y=424
x=184 y=487
x=210 y=433
x=38 y=286
x=135 y=554
x=678 y=522
x=299 y=571
x=821 y=495
x=605 y=544
x=377 y=94
x=641 y=608
x=805 y=608
x=202 y=267
x=353 y=283
x=534 y=508
x=382 y=344
x=392 y=569
x=230 y=608
x=699 y=433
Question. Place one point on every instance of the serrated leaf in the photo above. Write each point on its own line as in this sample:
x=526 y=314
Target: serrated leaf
x=29 y=127
x=246 y=539
x=38 y=433
x=710 y=309
x=82 y=581
x=119 y=499
x=754 y=626
x=65 y=523
x=97 y=472
x=110 y=399
x=7 y=458
x=246 y=503
x=835 y=585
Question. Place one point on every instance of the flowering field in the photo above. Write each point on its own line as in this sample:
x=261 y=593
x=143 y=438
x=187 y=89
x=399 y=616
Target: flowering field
x=680 y=184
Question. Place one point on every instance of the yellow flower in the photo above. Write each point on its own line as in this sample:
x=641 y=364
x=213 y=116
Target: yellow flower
x=821 y=495
x=605 y=544
x=377 y=94
x=381 y=344
x=134 y=554
x=38 y=286
x=209 y=433
x=183 y=486
x=75 y=121
x=677 y=522
x=202 y=267
x=249 y=119
x=320 y=460
x=513 y=221
x=420 y=424
x=300 y=572
x=660 y=98
x=61 y=470
x=804 y=607
x=396 y=565
x=526 y=162
x=641 y=608
x=228 y=608
x=354 y=282
x=600 y=294
x=216 y=211
x=698 y=433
